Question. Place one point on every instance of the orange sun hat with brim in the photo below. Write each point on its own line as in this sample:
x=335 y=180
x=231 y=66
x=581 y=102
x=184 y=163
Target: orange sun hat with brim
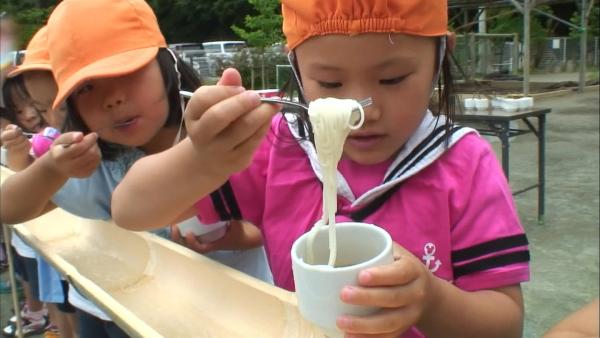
x=90 y=39
x=303 y=19
x=36 y=54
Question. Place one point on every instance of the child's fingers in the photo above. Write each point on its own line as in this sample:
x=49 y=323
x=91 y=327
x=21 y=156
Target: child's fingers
x=69 y=138
x=223 y=114
x=78 y=146
x=206 y=97
x=385 y=323
x=244 y=128
x=230 y=77
x=175 y=234
x=192 y=242
x=384 y=297
x=12 y=133
x=400 y=272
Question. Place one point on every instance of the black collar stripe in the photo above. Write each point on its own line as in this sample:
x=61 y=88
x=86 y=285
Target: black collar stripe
x=414 y=152
x=491 y=263
x=485 y=248
x=429 y=150
x=430 y=154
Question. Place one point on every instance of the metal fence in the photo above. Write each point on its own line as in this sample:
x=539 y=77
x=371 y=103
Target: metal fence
x=479 y=55
x=562 y=54
x=500 y=55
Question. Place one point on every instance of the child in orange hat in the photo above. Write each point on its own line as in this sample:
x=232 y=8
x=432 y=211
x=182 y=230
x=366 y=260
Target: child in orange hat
x=121 y=87
x=29 y=93
x=31 y=89
x=435 y=187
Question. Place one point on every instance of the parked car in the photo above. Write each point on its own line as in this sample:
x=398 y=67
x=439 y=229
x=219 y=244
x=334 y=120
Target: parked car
x=224 y=49
x=186 y=46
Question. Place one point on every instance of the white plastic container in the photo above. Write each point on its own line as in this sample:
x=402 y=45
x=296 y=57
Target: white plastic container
x=469 y=104
x=206 y=233
x=509 y=105
x=482 y=104
x=525 y=102
x=497 y=102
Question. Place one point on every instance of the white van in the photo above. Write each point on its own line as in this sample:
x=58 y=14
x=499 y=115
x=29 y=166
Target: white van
x=223 y=48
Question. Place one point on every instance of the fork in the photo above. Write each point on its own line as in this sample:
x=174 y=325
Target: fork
x=364 y=102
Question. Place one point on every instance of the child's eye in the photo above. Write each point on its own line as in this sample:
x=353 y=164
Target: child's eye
x=329 y=85
x=393 y=81
x=86 y=87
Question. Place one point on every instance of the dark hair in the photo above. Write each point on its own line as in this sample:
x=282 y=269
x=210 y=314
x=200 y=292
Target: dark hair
x=444 y=104
x=13 y=88
x=446 y=98
x=190 y=81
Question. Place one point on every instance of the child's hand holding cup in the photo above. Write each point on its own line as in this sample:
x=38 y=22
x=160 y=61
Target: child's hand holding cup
x=318 y=287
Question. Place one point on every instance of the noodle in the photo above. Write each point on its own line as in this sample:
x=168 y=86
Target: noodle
x=331 y=124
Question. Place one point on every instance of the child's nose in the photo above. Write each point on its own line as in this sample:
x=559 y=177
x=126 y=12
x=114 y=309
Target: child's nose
x=372 y=112
x=31 y=113
x=113 y=101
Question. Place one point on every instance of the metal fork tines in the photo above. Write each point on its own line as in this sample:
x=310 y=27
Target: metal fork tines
x=364 y=102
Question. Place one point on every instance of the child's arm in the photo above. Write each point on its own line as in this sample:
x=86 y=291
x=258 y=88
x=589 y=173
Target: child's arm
x=225 y=125
x=581 y=324
x=411 y=295
x=26 y=194
x=17 y=147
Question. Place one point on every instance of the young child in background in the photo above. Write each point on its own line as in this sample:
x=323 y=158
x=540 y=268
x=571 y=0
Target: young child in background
x=36 y=88
x=435 y=187
x=120 y=84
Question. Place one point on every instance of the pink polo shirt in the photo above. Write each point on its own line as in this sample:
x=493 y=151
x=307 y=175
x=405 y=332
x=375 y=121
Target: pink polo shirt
x=456 y=215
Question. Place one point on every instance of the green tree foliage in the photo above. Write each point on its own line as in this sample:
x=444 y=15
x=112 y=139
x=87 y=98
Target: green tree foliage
x=29 y=15
x=264 y=28
x=593 y=28
x=199 y=20
x=541 y=27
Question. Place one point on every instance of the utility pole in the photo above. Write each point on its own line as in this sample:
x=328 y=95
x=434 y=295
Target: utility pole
x=583 y=47
x=526 y=44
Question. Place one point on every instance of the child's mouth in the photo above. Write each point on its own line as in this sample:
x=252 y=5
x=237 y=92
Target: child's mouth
x=364 y=141
x=125 y=123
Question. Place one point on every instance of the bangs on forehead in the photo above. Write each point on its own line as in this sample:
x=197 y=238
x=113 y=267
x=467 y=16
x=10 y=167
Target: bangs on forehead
x=19 y=91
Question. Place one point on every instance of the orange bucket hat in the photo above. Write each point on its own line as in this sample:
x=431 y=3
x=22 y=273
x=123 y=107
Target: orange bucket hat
x=100 y=38
x=36 y=54
x=303 y=19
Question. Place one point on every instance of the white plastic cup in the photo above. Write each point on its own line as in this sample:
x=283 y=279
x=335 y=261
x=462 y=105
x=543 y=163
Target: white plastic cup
x=526 y=102
x=497 y=102
x=469 y=104
x=206 y=233
x=359 y=246
x=510 y=105
x=482 y=104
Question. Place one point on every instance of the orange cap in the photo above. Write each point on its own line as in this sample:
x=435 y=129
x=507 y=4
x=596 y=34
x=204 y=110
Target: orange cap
x=100 y=38
x=36 y=55
x=303 y=19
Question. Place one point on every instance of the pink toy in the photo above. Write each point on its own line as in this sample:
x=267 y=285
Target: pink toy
x=41 y=142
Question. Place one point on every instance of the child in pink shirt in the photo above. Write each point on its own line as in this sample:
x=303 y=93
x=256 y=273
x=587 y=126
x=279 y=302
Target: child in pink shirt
x=435 y=187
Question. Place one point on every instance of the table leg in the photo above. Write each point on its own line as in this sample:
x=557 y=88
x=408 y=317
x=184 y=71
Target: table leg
x=541 y=167
x=504 y=139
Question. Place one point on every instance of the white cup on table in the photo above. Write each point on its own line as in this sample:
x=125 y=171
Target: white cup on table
x=469 y=104
x=206 y=233
x=482 y=104
x=318 y=286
